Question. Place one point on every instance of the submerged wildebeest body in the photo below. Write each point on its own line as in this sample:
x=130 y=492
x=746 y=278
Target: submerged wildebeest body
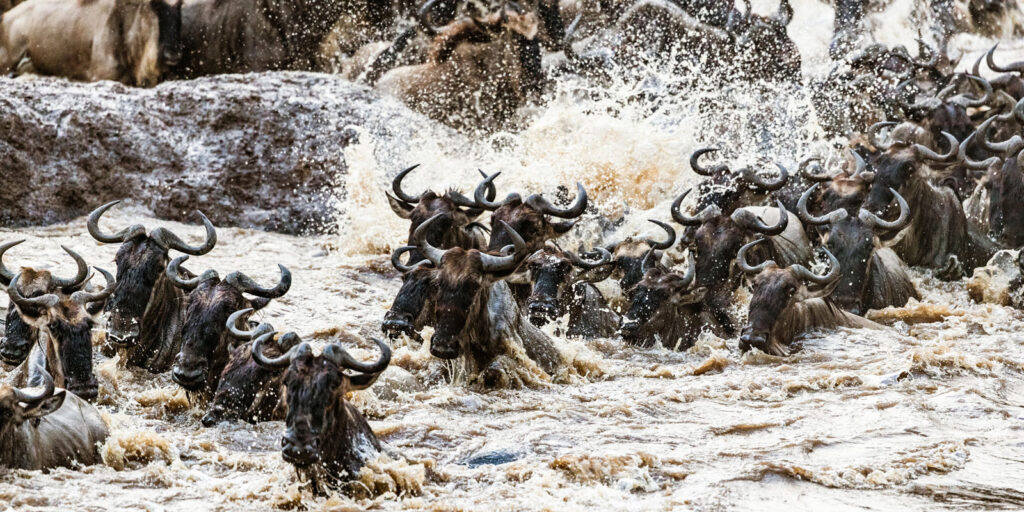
x=789 y=301
x=130 y=41
x=246 y=390
x=475 y=317
x=205 y=340
x=561 y=285
x=872 y=276
x=326 y=438
x=665 y=307
x=48 y=428
x=478 y=72
x=146 y=308
x=246 y=36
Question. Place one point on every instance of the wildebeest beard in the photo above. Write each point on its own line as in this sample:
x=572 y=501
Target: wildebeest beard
x=17 y=340
x=852 y=242
x=457 y=297
x=74 y=347
x=412 y=308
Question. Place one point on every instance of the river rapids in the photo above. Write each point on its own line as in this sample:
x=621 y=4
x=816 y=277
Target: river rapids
x=925 y=415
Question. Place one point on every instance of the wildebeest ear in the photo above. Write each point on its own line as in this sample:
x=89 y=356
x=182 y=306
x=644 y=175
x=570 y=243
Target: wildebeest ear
x=259 y=303
x=45 y=407
x=401 y=208
x=816 y=291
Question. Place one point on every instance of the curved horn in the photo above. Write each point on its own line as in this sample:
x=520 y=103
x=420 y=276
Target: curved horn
x=491 y=263
x=812 y=220
x=873 y=135
x=245 y=284
x=705 y=171
x=605 y=258
x=929 y=154
x=168 y=240
x=741 y=258
x=43 y=301
x=484 y=190
x=860 y=166
x=419 y=237
x=709 y=212
x=344 y=360
x=1016 y=67
x=174 y=275
x=84 y=297
x=668 y=242
x=396 y=260
x=32 y=399
x=249 y=334
x=273 y=363
x=971 y=102
x=691 y=270
x=1011 y=145
x=833 y=273
x=79 y=279
x=93 y=224
x=974 y=164
x=648 y=262
x=6 y=275
x=747 y=219
x=814 y=177
x=396 y=186
x=751 y=176
x=574 y=210
x=423 y=17
x=873 y=221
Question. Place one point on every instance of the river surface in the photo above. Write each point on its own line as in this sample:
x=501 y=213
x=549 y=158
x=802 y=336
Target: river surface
x=926 y=415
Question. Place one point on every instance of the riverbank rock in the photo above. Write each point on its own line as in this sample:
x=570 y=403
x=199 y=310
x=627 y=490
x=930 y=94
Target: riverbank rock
x=262 y=150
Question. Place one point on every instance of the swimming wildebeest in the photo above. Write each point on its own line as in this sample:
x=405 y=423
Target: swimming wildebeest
x=146 y=308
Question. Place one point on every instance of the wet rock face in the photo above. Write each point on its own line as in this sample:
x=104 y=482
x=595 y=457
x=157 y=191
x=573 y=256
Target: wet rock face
x=262 y=151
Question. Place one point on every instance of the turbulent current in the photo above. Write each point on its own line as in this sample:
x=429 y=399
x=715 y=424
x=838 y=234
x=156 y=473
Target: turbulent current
x=924 y=415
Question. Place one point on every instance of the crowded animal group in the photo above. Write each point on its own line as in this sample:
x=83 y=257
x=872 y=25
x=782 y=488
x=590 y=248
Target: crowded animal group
x=931 y=179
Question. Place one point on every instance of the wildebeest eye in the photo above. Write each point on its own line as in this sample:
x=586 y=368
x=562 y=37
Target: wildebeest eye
x=790 y=290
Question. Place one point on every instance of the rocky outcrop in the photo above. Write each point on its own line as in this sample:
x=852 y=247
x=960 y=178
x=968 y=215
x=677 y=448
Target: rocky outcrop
x=260 y=150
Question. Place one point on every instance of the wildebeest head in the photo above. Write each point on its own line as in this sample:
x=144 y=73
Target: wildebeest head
x=205 y=341
x=940 y=112
x=852 y=240
x=141 y=261
x=246 y=391
x=1003 y=180
x=715 y=243
x=412 y=308
x=459 y=282
x=20 y=405
x=765 y=49
x=726 y=189
x=315 y=388
x=168 y=15
x=458 y=212
x=19 y=335
x=552 y=272
x=897 y=165
x=529 y=218
x=775 y=290
x=627 y=255
x=66 y=321
x=657 y=303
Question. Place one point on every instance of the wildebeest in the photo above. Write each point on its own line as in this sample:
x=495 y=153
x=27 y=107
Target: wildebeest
x=326 y=438
x=48 y=428
x=872 y=276
x=246 y=390
x=528 y=218
x=561 y=284
x=474 y=314
x=718 y=238
x=205 y=340
x=627 y=256
x=1003 y=183
x=129 y=41
x=412 y=309
x=67 y=324
x=456 y=227
x=937 y=236
x=789 y=301
x=665 y=307
x=478 y=72
x=246 y=36
x=146 y=308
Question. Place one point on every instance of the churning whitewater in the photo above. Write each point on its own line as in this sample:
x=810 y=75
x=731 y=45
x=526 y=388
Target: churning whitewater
x=923 y=413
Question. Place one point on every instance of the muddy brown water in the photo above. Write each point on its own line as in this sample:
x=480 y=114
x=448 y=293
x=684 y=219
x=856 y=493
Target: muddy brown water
x=925 y=415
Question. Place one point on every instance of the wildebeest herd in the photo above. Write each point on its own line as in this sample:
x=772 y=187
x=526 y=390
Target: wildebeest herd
x=935 y=184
